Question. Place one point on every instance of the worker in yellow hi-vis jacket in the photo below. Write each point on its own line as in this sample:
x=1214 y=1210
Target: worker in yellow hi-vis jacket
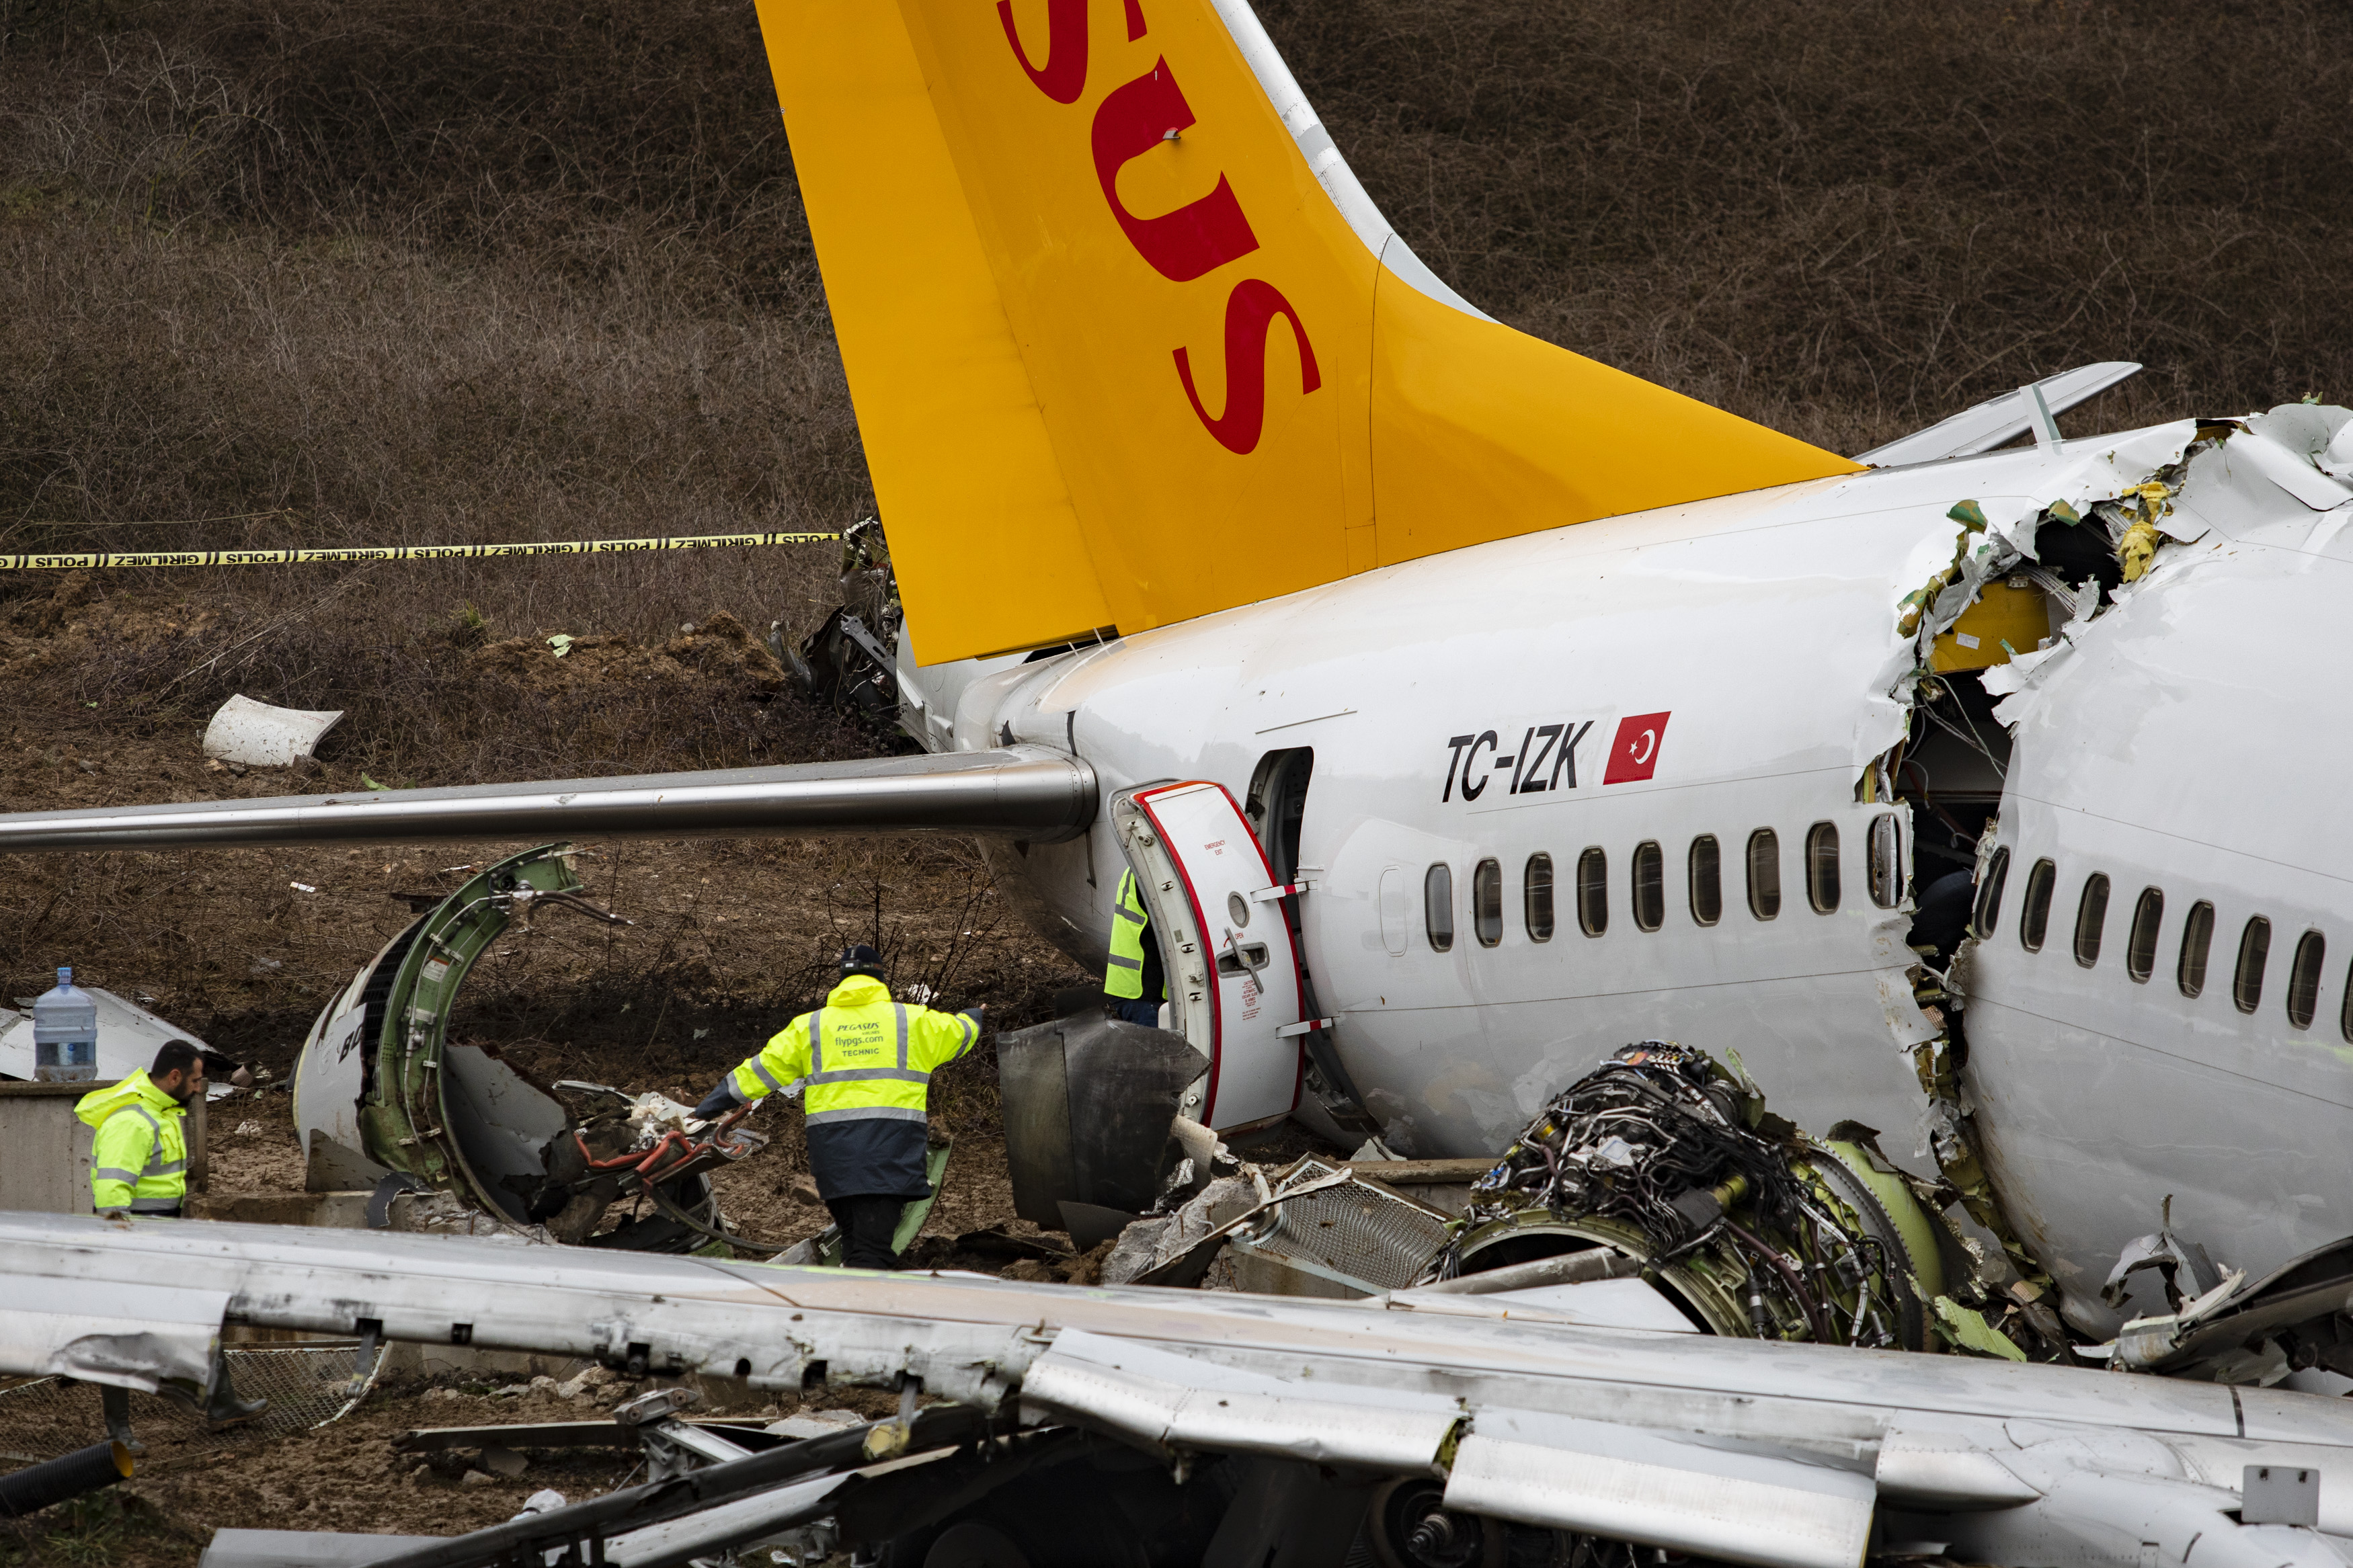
x=865 y=1063
x=1136 y=981
x=138 y=1164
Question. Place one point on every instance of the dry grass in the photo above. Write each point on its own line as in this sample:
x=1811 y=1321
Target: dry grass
x=1851 y=220
x=441 y=269
x=431 y=272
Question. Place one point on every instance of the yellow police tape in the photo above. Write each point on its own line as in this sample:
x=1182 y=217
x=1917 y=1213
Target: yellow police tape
x=298 y=557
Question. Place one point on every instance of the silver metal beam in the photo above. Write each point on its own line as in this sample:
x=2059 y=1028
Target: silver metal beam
x=1023 y=791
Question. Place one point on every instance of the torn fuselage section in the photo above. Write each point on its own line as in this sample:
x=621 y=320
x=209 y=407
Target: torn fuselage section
x=453 y=1138
x=2025 y=578
x=2032 y=579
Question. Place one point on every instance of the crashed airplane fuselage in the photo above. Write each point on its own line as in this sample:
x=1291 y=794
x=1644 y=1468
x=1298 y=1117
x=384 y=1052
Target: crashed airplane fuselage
x=1423 y=844
x=1684 y=773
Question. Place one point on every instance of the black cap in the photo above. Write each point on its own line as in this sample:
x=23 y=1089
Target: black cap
x=862 y=960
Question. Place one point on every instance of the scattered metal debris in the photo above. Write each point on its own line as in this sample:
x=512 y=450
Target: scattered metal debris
x=2233 y=1330
x=257 y=735
x=1751 y=1226
x=455 y=1141
x=850 y=662
x=127 y=1038
x=1660 y=1164
x=1089 y=1105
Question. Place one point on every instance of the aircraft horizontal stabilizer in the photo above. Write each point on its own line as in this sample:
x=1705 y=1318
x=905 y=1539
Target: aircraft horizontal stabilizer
x=1024 y=792
x=2030 y=410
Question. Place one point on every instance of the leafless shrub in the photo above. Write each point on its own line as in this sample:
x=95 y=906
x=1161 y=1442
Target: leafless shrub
x=1851 y=220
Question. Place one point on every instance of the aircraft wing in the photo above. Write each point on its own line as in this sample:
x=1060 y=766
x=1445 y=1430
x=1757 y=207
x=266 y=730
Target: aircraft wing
x=1026 y=792
x=1784 y=1456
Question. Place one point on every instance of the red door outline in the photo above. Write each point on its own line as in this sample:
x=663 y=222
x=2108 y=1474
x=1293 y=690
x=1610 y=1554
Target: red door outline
x=1277 y=1008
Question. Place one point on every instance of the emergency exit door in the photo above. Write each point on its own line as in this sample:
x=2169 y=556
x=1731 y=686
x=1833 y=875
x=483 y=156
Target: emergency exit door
x=1233 y=973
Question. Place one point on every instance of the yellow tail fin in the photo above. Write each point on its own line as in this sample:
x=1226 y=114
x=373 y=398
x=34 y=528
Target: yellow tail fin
x=1128 y=343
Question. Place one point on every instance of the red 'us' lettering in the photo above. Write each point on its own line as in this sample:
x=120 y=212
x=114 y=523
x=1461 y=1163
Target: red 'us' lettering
x=1188 y=243
x=1063 y=76
x=1198 y=237
x=1250 y=309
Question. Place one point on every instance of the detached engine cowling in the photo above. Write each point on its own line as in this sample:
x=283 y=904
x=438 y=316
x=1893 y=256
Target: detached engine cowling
x=384 y=1099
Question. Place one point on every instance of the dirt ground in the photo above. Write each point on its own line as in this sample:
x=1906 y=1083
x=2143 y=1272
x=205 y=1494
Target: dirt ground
x=347 y=1476
x=729 y=941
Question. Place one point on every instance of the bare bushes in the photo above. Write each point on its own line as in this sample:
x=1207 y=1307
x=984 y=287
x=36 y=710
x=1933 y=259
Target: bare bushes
x=432 y=270
x=416 y=272
x=1850 y=220
x=374 y=393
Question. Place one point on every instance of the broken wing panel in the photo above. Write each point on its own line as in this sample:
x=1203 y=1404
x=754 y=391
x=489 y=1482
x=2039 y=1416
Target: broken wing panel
x=1617 y=1481
x=129 y=1335
x=1751 y=1451
x=1164 y=1401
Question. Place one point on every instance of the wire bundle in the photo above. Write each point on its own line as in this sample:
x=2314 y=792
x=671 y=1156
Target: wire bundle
x=1662 y=1138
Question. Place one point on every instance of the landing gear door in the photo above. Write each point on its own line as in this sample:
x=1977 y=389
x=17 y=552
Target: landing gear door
x=1233 y=971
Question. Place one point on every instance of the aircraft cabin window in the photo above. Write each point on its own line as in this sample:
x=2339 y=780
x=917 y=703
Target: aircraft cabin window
x=2034 y=920
x=1650 y=885
x=2197 y=934
x=2091 y=919
x=1593 y=892
x=1707 y=881
x=2345 y=1009
x=1989 y=910
x=1822 y=867
x=2304 y=980
x=1764 y=873
x=2140 y=946
x=1487 y=902
x=1539 y=897
x=2247 y=979
x=1438 y=907
x=1886 y=862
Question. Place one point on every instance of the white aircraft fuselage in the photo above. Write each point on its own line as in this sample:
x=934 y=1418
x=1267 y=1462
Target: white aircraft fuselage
x=1737 y=665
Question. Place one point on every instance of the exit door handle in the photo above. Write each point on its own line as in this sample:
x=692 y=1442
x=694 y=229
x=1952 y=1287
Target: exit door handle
x=1238 y=955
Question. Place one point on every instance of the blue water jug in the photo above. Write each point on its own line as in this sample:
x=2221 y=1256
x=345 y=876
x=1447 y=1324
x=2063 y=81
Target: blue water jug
x=65 y=1033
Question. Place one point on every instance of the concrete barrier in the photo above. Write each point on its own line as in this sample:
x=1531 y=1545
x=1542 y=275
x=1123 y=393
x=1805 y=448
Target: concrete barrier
x=47 y=1167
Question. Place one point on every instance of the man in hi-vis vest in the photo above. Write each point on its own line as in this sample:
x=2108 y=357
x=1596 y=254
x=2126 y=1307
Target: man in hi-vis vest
x=865 y=1063
x=1135 y=981
x=138 y=1164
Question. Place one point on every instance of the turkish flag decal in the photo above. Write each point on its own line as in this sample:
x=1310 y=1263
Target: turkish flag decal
x=1634 y=754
